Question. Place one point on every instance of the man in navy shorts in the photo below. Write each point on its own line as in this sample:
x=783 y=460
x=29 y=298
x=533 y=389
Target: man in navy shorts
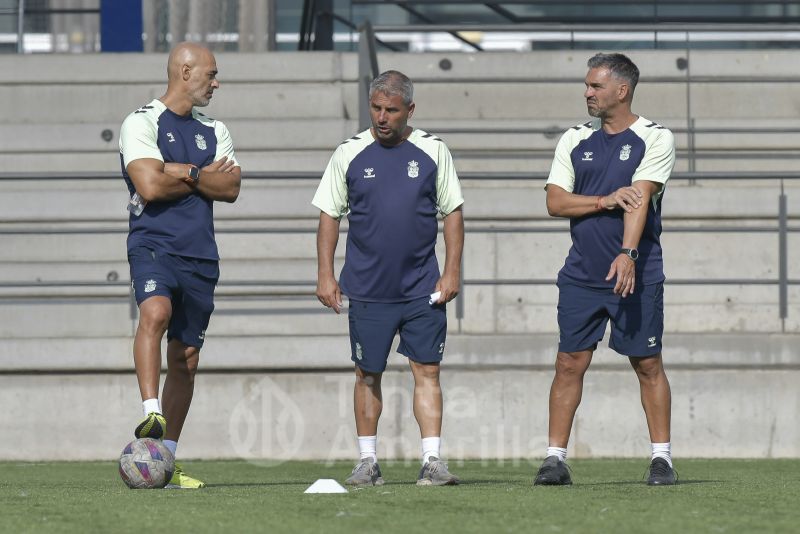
x=391 y=181
x=608 y=177
x=176 y=162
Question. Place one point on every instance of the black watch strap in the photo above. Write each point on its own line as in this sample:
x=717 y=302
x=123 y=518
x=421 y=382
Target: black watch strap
x=632 y=253
x=194 y=174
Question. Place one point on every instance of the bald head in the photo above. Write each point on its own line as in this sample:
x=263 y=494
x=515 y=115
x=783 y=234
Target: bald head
x=192 y=73
x=186 y=54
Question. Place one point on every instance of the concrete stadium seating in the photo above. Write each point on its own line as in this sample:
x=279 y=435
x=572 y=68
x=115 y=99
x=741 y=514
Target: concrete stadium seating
x=66 y=318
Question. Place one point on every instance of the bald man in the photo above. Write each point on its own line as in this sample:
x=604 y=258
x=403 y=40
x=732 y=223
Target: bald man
x=176 y=162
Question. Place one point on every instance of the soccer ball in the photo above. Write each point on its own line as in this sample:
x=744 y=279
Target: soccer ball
x=146 y=463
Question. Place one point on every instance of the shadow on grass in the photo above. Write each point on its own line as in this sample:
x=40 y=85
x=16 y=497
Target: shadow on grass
x=680 y=482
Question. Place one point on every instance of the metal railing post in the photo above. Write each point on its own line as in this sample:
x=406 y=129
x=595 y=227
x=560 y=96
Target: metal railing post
x=460 y=297
x=20 y=26
x=783 y=260
x=367 y=70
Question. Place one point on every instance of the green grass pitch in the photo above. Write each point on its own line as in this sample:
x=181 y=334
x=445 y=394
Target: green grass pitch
x=607 y=496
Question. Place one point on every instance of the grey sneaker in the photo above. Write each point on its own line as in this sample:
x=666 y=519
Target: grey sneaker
x=661 y=474
x=435 y=473
x=367 y=472
x=553 y=472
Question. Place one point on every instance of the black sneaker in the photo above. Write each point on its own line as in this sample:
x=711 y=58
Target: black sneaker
x=553 y=472
x=661 y=474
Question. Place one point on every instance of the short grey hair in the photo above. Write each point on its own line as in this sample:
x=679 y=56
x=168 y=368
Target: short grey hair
x=393 y=82
x=620 y=65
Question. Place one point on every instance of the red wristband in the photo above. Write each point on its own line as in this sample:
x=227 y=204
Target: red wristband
x=599 y=203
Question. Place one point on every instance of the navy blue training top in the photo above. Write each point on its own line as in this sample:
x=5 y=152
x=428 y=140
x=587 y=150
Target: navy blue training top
x=184 y=226
x=391 y=196
x=588 y=161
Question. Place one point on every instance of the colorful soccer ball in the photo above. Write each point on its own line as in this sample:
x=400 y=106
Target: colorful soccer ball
x=146 y=463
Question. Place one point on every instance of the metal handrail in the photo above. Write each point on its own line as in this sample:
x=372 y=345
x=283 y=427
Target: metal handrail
x=483 y=176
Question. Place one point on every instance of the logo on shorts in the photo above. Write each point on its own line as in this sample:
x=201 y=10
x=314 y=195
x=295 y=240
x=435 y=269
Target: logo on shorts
x=625 y=152
x=587 y=156
x=150 y=286
x=413 y=169
x=369 y=172
x=441 y=348
x=201 y=141
x=202 y=335
x=359 y=354
x=651 y=341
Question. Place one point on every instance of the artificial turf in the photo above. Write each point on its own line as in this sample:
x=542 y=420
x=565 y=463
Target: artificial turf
x=607 y=496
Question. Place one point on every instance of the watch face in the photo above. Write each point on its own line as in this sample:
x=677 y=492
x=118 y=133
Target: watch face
x=634 y=254
x=194 y=174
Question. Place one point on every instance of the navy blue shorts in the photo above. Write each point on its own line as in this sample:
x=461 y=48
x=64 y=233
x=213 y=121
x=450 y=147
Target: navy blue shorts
x=422 y=327
x=637 y=321
x=188 y=282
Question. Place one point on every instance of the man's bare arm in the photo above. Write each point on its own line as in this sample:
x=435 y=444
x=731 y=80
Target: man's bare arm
x=561 y=203
x=450 y=281
x=328 y=291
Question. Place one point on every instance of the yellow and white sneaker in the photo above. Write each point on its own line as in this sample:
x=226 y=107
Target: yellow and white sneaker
x=181 y=480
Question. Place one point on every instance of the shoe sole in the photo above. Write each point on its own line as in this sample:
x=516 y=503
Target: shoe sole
x=428 y=482
x=551 y=483
x=377 y=482
x=175 y=486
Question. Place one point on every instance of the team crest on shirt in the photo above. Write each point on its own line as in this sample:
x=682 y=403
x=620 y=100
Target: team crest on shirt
x=201 y=142
x=413 y=169
x=625 y=152
x=150 y=286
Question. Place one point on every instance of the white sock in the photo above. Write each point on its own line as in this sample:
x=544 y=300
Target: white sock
x=368 y=445
x=661 y=450
x=151 y=405
x=430 y=447
x=557 y=451
x=171 y=445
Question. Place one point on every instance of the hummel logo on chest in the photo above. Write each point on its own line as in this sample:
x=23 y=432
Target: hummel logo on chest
x=369 y=172
x=587 y=156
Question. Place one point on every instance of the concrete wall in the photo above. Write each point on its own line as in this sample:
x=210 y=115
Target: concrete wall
x=279 y=398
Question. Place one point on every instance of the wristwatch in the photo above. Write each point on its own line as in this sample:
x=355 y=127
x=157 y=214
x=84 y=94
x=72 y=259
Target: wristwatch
x=194 y=174
x=632 y=253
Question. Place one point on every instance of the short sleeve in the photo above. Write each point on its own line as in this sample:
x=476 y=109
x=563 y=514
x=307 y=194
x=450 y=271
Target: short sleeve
x=448 y=188
x=658 y=160
x=331 y=195
x=137 y=139
x=562 y=173
x=224 y=144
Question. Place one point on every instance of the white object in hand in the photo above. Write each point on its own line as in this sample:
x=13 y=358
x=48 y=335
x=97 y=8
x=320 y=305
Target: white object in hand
x=136 y=204
x=434 y=298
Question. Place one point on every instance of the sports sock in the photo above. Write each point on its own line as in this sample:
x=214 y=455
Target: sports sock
x=367 y=445
x=661 y=450
x=171 y=445
x=430 y=447
x=151 y=405
x=557 y=451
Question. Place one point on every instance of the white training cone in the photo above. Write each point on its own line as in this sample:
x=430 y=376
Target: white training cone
x=325 y=485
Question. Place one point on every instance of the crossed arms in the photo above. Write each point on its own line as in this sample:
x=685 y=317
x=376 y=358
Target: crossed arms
x=155 y=180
